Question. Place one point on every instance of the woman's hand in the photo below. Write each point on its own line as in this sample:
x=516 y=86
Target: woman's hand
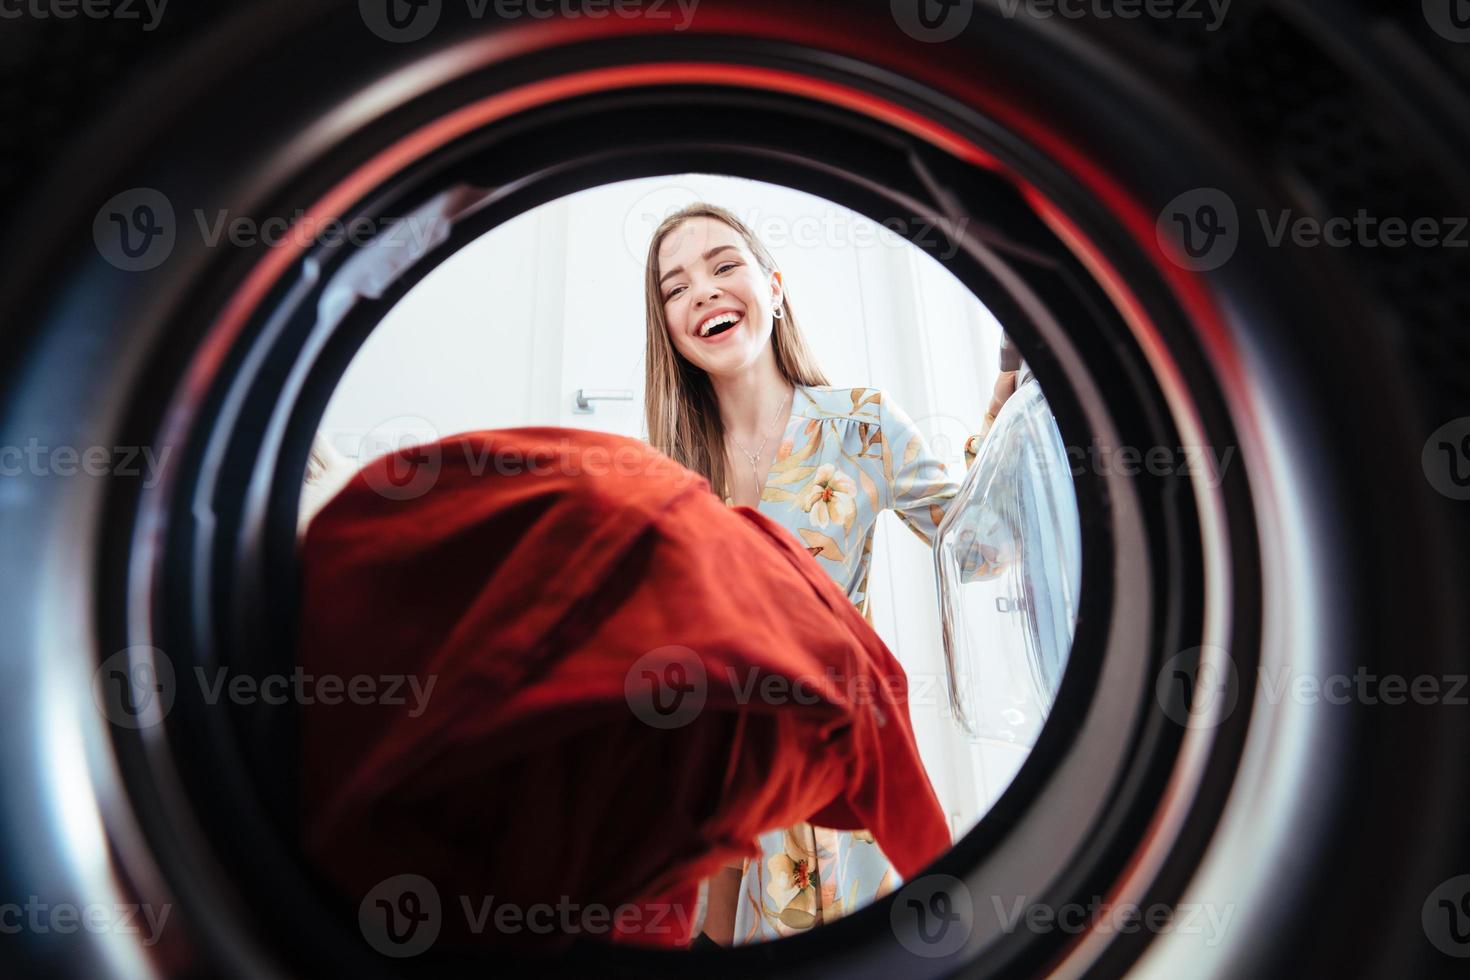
x=1005 y=387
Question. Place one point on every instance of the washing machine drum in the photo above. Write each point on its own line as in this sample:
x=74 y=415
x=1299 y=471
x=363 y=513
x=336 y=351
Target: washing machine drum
x=1097 y=182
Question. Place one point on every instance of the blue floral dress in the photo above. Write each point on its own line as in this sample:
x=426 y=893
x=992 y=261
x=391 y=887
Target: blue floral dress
x=846 y=455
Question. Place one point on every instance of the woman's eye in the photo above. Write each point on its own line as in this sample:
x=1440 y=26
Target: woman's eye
x=672 y=293
x=720 y=269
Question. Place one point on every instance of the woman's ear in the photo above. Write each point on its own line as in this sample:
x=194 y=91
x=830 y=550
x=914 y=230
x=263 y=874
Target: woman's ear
x=778 y=289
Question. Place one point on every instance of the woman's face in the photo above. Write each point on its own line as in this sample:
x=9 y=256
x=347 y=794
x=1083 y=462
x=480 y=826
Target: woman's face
x=717 y=301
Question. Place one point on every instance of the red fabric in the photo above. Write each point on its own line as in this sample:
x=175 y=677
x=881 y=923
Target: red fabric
x=527 y=592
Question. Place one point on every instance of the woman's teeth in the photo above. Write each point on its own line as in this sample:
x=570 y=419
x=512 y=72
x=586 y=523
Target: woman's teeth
x=719 y=325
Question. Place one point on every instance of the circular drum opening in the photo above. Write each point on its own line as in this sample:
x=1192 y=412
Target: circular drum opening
x=1052 y=166
x=535 y=323
x=1142 y=530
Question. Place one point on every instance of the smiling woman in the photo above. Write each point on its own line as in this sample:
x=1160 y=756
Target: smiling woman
x=706 y=269
x=723 y=345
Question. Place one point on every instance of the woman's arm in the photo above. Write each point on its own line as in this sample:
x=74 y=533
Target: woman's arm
x=921 y=490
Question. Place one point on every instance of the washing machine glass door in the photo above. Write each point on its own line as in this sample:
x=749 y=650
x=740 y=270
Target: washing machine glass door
x=1008 y=557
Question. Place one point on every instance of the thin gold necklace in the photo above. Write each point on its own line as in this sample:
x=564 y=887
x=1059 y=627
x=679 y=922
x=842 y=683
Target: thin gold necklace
x=754 y=457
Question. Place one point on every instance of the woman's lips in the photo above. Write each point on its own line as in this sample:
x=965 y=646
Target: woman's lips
x=716 y=338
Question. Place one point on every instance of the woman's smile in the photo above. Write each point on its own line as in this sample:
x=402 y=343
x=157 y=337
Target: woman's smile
x=719 y=325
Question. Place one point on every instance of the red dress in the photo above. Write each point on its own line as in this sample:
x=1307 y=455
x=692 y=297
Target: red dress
x=630 y=681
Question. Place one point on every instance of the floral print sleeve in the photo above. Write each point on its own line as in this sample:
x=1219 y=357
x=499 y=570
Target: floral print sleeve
x=917 y=484
x=921 y=493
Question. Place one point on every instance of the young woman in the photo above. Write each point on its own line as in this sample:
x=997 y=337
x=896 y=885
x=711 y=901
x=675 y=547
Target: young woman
x=733 y=393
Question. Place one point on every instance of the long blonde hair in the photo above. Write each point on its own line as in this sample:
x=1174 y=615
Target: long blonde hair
x=679 y=403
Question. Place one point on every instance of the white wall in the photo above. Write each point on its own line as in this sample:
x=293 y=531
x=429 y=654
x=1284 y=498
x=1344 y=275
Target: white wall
x=508 y=329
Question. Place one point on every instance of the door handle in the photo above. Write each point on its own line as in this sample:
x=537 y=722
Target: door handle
x=586 y=396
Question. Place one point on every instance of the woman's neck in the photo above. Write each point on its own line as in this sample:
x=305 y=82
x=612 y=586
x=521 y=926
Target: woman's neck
x=750 y=400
